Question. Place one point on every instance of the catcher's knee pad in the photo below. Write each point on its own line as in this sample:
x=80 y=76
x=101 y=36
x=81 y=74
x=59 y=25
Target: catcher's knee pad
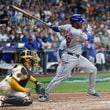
x=2 y=99
x=28 y=100
x=18 y=101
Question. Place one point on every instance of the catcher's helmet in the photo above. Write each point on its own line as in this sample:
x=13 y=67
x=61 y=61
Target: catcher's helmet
x=26 y=54
x=76 y=18
x=31 y=55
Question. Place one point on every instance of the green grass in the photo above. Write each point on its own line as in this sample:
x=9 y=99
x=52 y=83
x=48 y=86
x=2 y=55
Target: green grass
x=75 y=87
x=103 y=86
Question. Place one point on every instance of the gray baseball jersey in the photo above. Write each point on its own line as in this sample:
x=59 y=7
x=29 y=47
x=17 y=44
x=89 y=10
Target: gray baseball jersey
x=73 y=37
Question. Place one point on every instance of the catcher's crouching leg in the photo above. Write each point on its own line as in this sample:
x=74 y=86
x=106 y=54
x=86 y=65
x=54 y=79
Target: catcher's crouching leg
x=18 y=101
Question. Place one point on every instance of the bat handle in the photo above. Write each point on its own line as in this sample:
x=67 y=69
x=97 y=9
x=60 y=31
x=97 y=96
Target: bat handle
x=49 y=24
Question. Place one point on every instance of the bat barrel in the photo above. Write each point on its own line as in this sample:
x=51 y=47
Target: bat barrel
x=29 y=14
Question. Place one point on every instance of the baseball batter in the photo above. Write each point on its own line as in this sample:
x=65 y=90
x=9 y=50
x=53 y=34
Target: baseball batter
x=13 y=88
x=71 y=56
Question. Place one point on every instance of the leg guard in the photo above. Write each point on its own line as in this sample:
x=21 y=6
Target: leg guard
x=18 y=101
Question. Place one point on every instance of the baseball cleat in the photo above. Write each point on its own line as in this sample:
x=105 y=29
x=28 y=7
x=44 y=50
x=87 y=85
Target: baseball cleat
x=2 y=101
x=94 y=94
x=42 y=99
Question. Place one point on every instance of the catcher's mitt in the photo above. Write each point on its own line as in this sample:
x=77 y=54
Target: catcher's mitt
x=40 y=90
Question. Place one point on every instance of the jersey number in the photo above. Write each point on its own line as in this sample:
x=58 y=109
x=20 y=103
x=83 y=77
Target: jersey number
x=68 y=38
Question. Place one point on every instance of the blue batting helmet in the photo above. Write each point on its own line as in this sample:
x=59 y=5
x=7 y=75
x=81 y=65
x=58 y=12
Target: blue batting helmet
x=77 y=18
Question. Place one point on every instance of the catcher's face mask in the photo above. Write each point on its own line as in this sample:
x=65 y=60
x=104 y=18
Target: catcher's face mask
x=28 y=56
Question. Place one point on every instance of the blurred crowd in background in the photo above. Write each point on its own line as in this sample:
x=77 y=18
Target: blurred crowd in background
x=16 y=27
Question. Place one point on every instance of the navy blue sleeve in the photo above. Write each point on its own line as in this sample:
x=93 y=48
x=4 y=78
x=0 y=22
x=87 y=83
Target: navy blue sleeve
x=55 y=28
x=60 y=53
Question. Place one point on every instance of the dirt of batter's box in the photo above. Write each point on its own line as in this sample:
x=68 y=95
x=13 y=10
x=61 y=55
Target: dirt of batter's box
x=68 y=101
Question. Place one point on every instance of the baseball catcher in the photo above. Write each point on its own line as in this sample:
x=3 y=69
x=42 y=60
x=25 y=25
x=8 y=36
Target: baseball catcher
x=13 y=88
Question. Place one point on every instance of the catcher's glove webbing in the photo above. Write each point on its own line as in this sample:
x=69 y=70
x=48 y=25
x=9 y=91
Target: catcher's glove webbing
x=40 y=89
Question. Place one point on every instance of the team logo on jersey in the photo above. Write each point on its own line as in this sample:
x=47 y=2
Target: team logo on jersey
x=19 y=75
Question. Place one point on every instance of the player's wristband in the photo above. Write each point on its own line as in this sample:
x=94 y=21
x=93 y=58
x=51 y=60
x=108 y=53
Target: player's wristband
x=36 y=82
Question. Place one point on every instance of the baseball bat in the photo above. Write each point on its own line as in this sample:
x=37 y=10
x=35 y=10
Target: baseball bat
x=29 y=14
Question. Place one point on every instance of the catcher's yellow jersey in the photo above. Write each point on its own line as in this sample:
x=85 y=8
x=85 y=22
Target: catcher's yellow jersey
x=19 y=77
